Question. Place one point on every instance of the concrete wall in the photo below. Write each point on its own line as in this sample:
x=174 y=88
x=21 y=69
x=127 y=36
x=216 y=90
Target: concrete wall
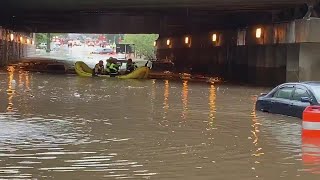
x=264 y=65
x=292 y=73
x=282 y=53
x=14 y=49
x=309 y=62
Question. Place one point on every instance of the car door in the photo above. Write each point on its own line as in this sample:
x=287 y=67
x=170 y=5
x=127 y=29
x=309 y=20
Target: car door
x=297 y=106
x=281 y=100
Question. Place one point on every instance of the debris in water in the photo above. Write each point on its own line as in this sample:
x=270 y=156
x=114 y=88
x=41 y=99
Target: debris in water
x=76 y=95
x=13 y=83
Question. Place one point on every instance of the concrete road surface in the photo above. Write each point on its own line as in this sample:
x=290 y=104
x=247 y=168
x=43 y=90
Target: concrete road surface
x=77 y=53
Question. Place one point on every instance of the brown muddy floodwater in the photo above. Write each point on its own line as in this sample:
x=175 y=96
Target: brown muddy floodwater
x=67 y=127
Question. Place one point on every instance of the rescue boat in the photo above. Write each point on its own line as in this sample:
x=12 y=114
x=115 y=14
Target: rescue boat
x=83 y=70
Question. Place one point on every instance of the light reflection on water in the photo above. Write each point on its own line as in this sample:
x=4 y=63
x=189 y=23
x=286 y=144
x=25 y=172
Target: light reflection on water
x=62 y=127
x=166 y=98
x=185 y=100
x=212 y=106
x=11 y=88
x=255 y=131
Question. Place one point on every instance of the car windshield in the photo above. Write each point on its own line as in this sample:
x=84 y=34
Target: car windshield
x=316 y=92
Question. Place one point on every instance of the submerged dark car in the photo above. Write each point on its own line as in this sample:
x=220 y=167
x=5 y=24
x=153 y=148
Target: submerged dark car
x=290 y=98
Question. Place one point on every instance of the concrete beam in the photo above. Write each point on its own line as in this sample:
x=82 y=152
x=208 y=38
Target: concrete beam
x=99 y=23
x=129 y=4
x=170 y=18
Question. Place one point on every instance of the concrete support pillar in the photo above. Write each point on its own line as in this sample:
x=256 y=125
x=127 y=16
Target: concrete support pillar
x=2 y=53
x=48 y=42
x=5 y=51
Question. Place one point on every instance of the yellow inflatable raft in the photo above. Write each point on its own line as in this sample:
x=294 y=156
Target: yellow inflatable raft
x=82 y=69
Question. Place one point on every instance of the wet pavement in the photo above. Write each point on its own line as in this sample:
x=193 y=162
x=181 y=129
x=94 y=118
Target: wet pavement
x=68 y=127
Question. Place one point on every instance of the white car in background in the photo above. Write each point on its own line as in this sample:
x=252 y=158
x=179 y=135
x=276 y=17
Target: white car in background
x=103 y=51
x=91 y=44
x=42 y=46
x=57 y=43
x=121 y=56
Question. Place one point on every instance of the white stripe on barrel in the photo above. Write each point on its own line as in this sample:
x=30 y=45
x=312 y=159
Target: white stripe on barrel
x=311 y=125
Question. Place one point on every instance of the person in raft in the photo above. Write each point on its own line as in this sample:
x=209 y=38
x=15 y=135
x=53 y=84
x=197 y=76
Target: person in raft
x=148 y=64
x=131 y=66
x=114 y=67
x=109 y=61
x=98 y=69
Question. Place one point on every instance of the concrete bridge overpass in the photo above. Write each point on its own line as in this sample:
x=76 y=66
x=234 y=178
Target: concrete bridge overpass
x=269 y=41
x=145 y=16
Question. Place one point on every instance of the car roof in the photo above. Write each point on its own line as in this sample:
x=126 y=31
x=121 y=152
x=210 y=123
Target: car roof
x=306 y=83
x=312 y=83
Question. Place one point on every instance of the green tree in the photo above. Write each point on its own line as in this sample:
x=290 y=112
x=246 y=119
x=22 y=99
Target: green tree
x=113 y=38
x=42 y=37
x=144 y=43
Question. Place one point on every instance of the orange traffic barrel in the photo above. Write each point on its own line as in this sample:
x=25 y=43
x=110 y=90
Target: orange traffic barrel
x=311 y=139
x=311 y=122
x=311 y=155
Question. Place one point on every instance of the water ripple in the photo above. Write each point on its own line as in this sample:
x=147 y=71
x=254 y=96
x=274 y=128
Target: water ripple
x=55 y=127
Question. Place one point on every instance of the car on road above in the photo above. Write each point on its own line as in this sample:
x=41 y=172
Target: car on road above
x=42 y=46
x=57 y=43
x=103 y=51
x=91 y=44
x=290 y=99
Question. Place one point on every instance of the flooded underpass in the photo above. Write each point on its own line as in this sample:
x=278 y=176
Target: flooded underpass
x=68 y=127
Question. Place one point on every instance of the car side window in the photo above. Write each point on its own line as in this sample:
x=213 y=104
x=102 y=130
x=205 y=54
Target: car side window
x=284 y=93
x=299 y=93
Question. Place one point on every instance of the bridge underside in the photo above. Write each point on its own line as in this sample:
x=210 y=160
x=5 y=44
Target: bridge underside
x=144 y=16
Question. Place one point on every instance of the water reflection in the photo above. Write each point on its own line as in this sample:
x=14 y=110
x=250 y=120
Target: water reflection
x=11 y=88
x=24 y=79
x=166 y=98
x=212 y=106
x=153 y=95
x=185 y=100
x=27 y=80
x=20 y=80
x=255 y=130
x=112 y=135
